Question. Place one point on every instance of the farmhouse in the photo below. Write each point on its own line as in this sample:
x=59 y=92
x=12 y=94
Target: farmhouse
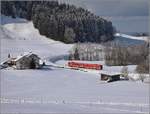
x=26 y=61
x=110 y=77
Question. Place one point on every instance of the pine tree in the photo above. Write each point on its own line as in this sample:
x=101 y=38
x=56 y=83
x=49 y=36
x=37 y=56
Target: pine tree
x=76 y=54
x=61 y=22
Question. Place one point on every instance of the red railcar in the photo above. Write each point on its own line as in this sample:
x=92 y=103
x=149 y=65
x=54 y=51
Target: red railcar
x=85 y=65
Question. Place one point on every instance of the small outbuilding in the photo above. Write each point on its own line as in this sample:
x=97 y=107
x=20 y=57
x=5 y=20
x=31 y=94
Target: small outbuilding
x=110 y=77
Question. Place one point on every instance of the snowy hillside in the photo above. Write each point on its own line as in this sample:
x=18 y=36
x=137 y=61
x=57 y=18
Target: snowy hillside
x=57 y=90
x=127 y=40
x=145 y=38
x=20 y=36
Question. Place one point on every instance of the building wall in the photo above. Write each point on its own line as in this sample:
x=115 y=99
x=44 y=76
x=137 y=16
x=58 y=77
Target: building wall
x=110 y=78
x=25 y=62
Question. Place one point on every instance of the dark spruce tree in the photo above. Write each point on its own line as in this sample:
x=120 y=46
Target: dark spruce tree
x=61 y=22
x=76 y=54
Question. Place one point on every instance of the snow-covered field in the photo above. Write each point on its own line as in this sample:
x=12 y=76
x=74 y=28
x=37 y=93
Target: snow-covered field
x=57 y=90
x=127 y=40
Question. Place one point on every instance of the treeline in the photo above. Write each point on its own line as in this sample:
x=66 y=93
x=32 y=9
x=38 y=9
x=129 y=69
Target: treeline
x=113 y=54
x=61 y=22
x=118 y=55
x=87 y=52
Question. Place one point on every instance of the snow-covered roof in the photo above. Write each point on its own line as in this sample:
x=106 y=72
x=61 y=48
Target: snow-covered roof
x=110 y=73
x=26 y=54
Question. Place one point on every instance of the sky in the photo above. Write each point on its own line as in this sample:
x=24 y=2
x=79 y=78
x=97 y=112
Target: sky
x=126 y=15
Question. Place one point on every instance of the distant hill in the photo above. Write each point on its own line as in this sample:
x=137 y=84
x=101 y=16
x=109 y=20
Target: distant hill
x=61 y=22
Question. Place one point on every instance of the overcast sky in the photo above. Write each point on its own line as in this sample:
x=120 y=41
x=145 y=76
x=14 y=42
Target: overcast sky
x=114 y=7
x=121 y=12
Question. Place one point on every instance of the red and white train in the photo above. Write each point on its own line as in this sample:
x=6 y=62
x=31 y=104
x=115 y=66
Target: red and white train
x=85 y=65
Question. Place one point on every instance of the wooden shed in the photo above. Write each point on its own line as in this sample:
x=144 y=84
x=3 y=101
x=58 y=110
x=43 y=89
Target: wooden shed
x=110 y=77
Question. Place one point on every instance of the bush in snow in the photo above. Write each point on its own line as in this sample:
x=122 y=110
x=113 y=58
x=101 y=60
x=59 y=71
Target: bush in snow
x=142 y=77
x=143 y=67
x=125 y=72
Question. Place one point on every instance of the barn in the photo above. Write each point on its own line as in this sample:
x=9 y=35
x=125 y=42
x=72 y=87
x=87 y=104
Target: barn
x=109 y=76
x=25 y=61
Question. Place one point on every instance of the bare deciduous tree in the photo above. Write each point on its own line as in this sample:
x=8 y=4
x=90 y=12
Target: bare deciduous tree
x=88 y=51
